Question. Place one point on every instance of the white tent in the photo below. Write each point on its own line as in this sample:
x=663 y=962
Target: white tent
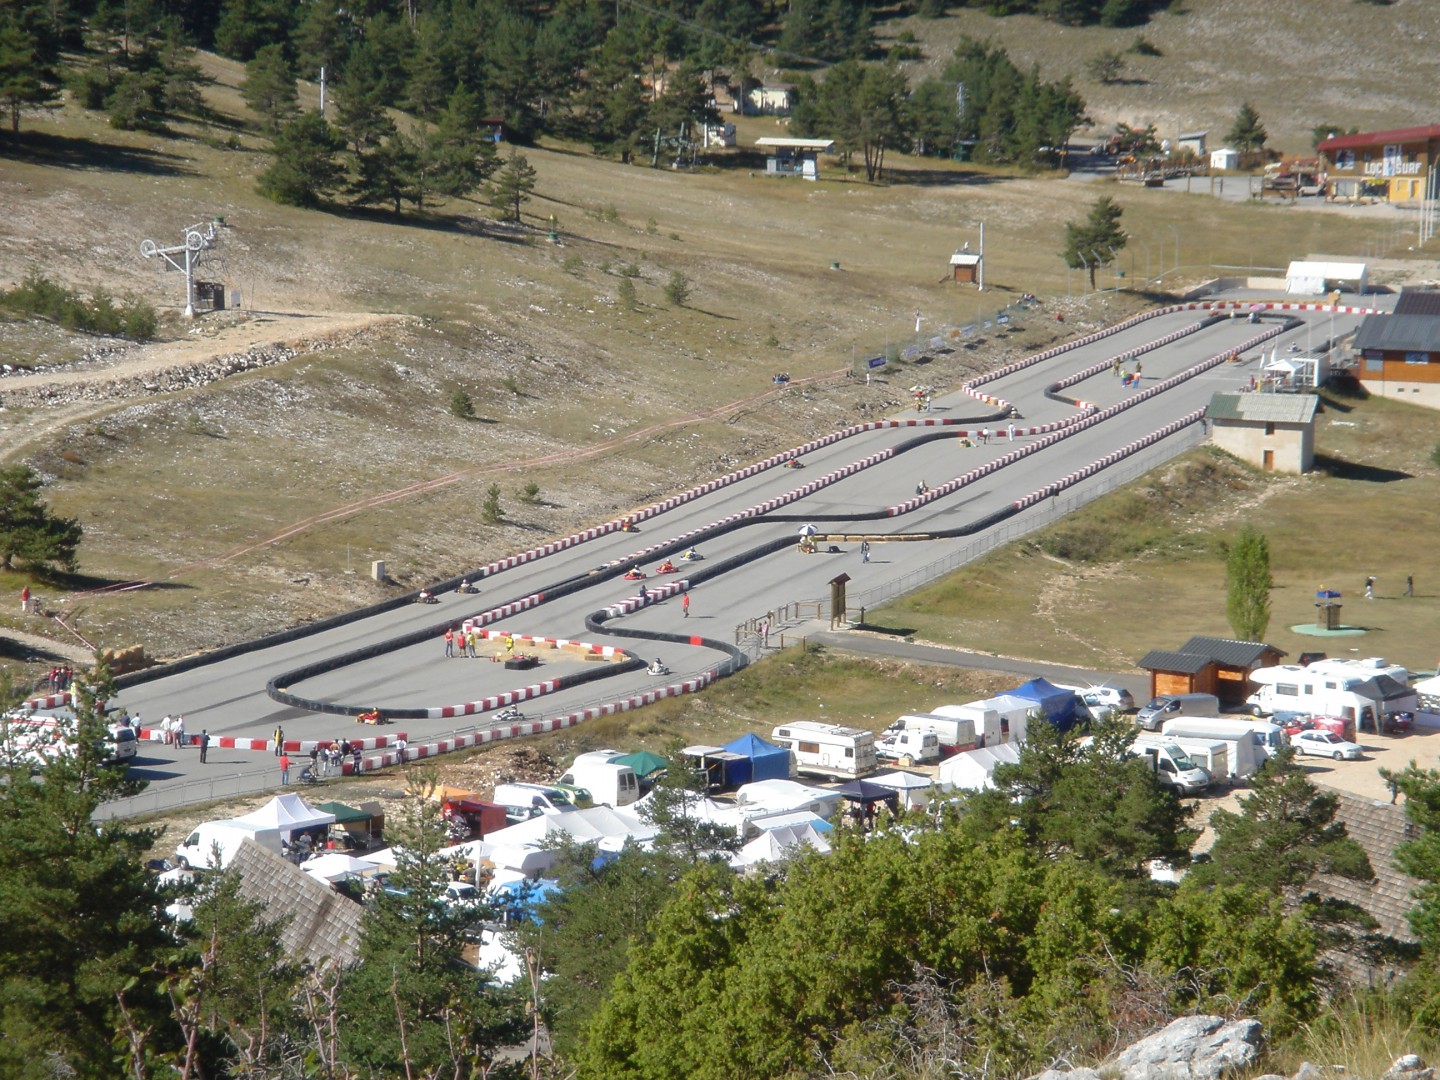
x=914 y=790
x=1313 y=278
x=777 y=845
x=974 y=769
x=289 y=813
x=336 y=866
x=753 y=826
x=596 y=823
x=783 y=795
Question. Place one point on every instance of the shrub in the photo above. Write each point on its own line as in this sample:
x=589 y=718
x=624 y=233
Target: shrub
x=677 y=290
x=491 y=512
x=1143 y=46
x=511 y=384
x=461 y=407
x=134 y=318
x=530 y=493
x=627 y=294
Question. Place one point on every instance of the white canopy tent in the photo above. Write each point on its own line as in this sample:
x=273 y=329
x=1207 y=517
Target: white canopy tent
x=289 y=813
x=974 y=770
x=1313 y=278
x=914 y=790
x=777 y=845
x=337 y=866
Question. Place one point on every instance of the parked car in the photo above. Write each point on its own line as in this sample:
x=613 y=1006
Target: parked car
x=1108 y=697
x=1325 y=744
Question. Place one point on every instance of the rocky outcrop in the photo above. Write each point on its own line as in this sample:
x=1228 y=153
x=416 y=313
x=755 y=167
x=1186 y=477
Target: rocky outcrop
x=180 y=377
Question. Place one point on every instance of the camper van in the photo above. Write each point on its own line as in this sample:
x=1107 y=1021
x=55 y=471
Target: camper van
x=1169 y=706
x=525 y=801
x=1262 y=739
x=199 y=850
x=1212 y=755
x=1173 y=767
x=953 y=734
x=828 y=749
x=1289 y=689
x=607 y=783
x=989 y=724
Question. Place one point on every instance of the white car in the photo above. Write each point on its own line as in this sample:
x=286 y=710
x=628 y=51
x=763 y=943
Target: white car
x=1108 y=697
x=1325 y=744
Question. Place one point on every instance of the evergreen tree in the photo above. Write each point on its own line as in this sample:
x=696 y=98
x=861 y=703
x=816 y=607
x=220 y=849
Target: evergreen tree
x=388 y=173
x=431 y=76
x=456 y=159
x=322 y=40
x=883 y=116
x=80 y=926
x=491 y=512
x=685 y=103
x=360 y=102
x=511 y=186
x=305 y=170
x=1248 y=584
x=246 y=26
x=27 y=76
x=1247 y=134
x=1094 y=242
x=610 y=107
x=269 y=88
x=182 y=77
x=28 y=530
x=137 y=102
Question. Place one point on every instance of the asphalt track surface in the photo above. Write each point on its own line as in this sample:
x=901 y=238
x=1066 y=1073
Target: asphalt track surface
x=863 y=485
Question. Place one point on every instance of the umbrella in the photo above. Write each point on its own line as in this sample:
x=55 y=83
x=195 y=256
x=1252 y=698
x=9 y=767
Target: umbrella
x=808 y=530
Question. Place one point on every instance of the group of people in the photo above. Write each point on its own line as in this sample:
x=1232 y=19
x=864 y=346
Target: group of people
x=172 y=730
x=60 y=679
x=459 y=642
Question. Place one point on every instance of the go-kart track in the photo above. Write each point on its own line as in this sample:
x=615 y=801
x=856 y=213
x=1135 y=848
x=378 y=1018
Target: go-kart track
x=567 y=604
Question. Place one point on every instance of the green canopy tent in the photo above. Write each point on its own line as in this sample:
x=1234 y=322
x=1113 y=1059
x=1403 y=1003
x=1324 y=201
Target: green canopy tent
x=643 y=762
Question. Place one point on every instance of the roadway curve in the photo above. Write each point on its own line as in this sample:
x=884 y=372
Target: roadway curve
x=1077 y=421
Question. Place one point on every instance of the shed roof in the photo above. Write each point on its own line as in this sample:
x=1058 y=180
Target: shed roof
x=964 y=258
x=1399 y=333
x=323 y=925
x=1264 y=408
x=1230 y=652
x=1377 y=827
x=1380 y=138
x=1418 y=300
x=1183 y=662
x=822 y=145
x=1193 y=134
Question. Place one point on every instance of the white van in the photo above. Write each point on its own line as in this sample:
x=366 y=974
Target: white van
x=525 y=801
x=954 y=734
x=213 y=844
x=1212 y=755
x=1152 y=717
x=910 y=747
x=1173 y=767
x=607 y=782
x=828 y=749
x=987 y=723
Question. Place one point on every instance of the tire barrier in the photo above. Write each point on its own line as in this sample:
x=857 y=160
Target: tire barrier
x=49 y=701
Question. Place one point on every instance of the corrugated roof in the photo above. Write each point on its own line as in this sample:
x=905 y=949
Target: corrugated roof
x=323 y=924
x=1379 y=138
x=1183 y=662
x=1399 y=333
x=1418 y=301
x=1230 y=652
x=1267 y=408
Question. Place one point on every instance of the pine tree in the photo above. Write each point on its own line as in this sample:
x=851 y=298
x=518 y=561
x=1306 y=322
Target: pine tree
x=269 y=88
x=388 y=174
x=455 y=158
x=27 y=77
x=305 y=170
x=1094 y=242
x=360 y=102
x=1247 y=134
x=28 y=530
x=1248 y=584
x=511 y=186
x=491 y=512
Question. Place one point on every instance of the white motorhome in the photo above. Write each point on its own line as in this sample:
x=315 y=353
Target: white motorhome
x=828 y=749
x=607 y=782
x=213 y=844
x=1172 y=766
x=1212 y=755
x=954 y=734
x=1362 y=700
x=1255 y=740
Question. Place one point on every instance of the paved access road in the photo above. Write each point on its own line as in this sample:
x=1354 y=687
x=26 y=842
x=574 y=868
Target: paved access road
x=228 y=697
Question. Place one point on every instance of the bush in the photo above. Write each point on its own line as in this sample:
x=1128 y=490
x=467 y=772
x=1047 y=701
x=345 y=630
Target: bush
x=461 y=407
x=1143 y=46
x=627 y=294
x=677 y=290
x=134 y=318
x=1435 y=455
x=530 y=493
x=491 y=512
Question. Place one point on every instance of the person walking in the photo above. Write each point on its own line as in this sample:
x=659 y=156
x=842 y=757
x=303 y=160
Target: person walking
x=864 y=551
x=315 y=760
x=685 y=605
x=180 y=731
x=25 y=600
x=1369 y=588
x=284 y=769
x=1010 y=431
x=449 y=641
x=279 y=739
x=204 y=743
x=1410 y=585
x=765 y=632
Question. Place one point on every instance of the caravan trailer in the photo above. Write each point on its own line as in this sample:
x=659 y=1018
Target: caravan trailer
x=828 y=749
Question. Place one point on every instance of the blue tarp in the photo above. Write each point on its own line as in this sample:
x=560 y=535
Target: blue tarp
x=767 y=761
x=1057 y=705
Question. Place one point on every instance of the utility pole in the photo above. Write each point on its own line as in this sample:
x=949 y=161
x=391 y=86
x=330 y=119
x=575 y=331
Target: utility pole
x=980 y=275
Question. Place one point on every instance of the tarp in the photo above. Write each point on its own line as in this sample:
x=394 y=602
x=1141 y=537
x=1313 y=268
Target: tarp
x=974 y=770
x=289 y=813
x=336 y=866
x=643 y=762
x=344 y=815
x=1057 y=705
x=598 y=823
x=767 y=761
x=522 y=899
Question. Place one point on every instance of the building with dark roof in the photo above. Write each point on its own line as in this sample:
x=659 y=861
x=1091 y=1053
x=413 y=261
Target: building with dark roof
x=1274 y=432
x=324 y=925
x=1391 y=165
x=1398 y=355
x=1207 y=665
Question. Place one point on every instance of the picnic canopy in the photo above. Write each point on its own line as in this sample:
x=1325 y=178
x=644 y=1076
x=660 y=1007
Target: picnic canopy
x=1057 y=705
x=767 y=761
x=866 y=793
x=344 y=815
x=914 y=790
x=643 y=762
x=290 y=814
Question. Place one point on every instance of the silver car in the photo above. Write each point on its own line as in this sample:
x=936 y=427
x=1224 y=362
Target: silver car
x=1108 y=697
x=1326 y=744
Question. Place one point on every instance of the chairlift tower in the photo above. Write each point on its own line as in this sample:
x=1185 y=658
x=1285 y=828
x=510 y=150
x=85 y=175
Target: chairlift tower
x=199 y=238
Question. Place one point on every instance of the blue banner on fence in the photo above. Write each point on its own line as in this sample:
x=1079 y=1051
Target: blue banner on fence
x=875 y=361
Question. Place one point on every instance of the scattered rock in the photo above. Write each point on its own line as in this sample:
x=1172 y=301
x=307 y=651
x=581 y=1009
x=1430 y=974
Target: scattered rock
x=1410 y=1067
x=1192 y=1048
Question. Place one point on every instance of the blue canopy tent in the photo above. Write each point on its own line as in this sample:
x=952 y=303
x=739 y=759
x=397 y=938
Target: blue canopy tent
x=767 y=761
x=1057 y=706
